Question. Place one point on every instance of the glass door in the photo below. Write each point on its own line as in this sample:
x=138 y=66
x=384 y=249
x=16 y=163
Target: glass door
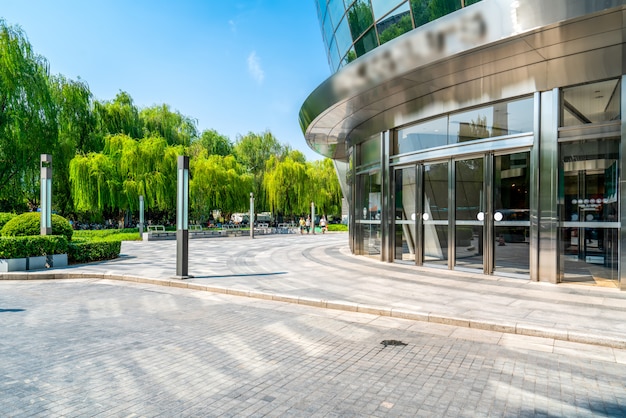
x=469 y=213
x=405 y=194
x=435 y=214
x=511 y=213
x=589 y=232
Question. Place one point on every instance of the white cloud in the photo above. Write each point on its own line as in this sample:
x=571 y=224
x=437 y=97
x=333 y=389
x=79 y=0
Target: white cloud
x=233 y=26
x=254 y=67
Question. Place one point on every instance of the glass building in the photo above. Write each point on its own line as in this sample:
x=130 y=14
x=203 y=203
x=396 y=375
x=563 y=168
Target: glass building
x=483 y=136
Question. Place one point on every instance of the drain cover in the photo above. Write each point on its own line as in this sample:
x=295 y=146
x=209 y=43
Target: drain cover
x=392 y=342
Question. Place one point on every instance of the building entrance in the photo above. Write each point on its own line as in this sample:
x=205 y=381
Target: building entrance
x=473 y=214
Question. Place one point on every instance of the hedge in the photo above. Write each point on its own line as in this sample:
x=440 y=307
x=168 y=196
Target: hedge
x=28 y=224
x=21 y=247
x=6 y=217
x=85 y=252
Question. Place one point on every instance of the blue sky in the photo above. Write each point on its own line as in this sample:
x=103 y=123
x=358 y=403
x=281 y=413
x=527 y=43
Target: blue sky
x=236 y=66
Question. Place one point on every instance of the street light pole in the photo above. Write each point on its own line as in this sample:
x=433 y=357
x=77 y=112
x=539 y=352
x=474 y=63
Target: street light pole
x=46 y=194
x=251 y=215
x=182 y=219
x=140 y=216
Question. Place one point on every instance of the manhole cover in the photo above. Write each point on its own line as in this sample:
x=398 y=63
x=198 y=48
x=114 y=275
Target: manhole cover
x=385 y=343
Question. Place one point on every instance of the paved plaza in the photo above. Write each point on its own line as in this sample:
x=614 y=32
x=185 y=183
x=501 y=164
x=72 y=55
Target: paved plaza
x=124 y=338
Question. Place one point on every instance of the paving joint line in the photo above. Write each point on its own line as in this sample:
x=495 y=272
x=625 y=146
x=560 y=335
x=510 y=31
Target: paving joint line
x=508 y=328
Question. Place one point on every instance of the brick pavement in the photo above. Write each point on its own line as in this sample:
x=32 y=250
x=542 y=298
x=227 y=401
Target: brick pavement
x=112 y=348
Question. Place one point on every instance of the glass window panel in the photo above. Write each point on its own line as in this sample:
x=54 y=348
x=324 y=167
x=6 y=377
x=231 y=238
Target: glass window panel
x=469 y=195
x=344 y=40
x=395 y=24
x=435 y=248
x=370 y=151
x=589 y=188
x=591 y=103
x=322 y=7
x=360 y=18
x=439 y=8
x=421 y=13
x=433 y=133
x=512 y=213
x=333 y=54
x=405 y=214
x=506 y=118
x=425 y=11
x=328 y=30
x=470 y=2
x=382 y=7
x=436 y=191
x=350 y=56
x=336 y=10
x=366 y=43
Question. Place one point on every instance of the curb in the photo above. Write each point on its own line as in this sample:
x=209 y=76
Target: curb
x=508 y=328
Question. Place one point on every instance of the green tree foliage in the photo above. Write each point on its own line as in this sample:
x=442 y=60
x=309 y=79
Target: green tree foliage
x=127 y=168
x=27 y=118
x=75 y=122
x=176 y=128
x=253 y=151
x=218 y=182
x=287 y=186
x=215 y=143
x=400 y=27
x=119 y=116
x=326 y=190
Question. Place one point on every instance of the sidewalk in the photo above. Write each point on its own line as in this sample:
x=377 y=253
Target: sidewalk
x=318 y=270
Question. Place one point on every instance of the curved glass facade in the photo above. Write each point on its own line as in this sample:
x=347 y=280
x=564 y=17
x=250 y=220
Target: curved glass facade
x=487 y=139
x=352 y=28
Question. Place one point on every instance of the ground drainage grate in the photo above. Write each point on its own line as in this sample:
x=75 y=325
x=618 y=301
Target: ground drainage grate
x=385 y=343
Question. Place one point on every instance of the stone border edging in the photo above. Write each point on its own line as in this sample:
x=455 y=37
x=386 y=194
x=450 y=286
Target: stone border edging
x=509 y=328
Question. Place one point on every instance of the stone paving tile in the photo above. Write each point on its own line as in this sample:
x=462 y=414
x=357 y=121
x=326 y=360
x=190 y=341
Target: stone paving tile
x=105 y=348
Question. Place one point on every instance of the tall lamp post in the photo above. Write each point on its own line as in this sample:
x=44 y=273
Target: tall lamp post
x=313 y=217
x=140 y=216
x=46 y=194
x=251 y=215
x=182 y=218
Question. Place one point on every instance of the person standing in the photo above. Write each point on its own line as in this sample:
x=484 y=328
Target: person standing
x=302 y=225
x=323 y=224
x=308 y=224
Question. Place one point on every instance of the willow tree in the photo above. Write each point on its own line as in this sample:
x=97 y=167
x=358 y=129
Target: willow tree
x=75 y=122
x=173 y=126
x=325 y=187
x=113 y=180
x=287 y=186
x=218 y=183
x=27 y=118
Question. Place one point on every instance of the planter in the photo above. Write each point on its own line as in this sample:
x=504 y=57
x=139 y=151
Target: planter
x=12 y=264
x=59 y=260
x=32 y=263
x=37 y=263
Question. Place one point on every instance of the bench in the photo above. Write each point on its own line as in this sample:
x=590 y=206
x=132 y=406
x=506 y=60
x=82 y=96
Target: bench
x=153 y=228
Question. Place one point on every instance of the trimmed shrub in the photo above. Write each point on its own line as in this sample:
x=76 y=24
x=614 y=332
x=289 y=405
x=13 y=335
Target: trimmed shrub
x=21 y=247
x=6 y=217
x=28 y=224
x=85 y=252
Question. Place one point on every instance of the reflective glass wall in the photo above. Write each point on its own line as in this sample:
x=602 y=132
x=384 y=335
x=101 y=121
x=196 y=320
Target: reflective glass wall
x=352 y=28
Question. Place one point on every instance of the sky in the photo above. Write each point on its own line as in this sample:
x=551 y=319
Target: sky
x=236 y=66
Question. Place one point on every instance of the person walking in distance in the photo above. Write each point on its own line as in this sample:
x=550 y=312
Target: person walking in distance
x=302 y=225
x=308 y=224
x=323 y=224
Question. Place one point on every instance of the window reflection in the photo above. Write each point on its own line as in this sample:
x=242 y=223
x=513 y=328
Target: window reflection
x=425 y=11
x=506 y=118
x=395 y=24
x=591 y=103
x=370 y=151
x=382 y=7
x=425 y=135
x=344 y=40
x=360 y=19
x=336 y=10
x=366 y=43
x=589 y=210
